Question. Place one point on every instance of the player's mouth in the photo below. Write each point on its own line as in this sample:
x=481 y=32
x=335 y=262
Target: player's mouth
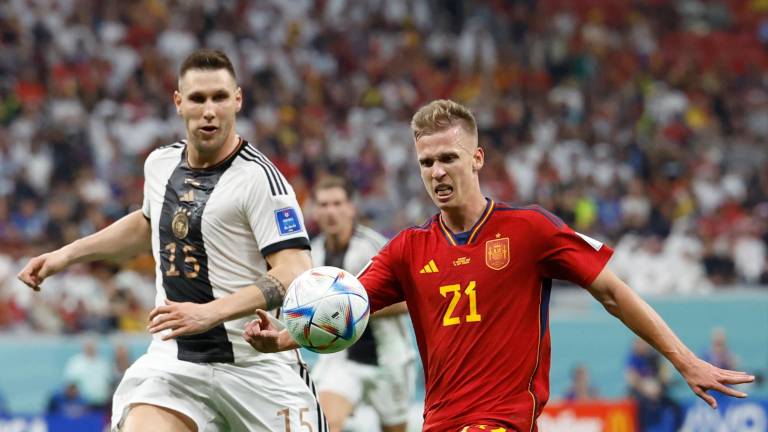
x=208 y=131
x=443 y=192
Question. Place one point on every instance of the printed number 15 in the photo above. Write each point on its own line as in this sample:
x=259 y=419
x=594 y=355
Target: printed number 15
x=448 y=318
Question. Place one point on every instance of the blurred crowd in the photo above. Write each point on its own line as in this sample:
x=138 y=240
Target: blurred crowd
x=641 y=123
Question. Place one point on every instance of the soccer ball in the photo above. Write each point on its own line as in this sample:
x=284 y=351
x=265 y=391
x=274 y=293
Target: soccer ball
x=326 y=309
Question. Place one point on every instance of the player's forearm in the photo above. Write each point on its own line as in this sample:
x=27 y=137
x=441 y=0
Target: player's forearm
x=392 y=310
x=268 y=292
x=125 y=238
x=621 y=301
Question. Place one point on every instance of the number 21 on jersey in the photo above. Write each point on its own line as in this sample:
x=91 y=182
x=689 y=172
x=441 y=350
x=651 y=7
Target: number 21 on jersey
x=456 y=290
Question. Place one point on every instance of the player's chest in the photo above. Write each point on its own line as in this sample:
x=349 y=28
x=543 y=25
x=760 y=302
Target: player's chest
x=188 y=200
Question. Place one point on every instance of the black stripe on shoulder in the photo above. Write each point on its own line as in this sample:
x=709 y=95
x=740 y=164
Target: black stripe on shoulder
x=266 y=171
x=556 y=221
x=177 y=144
x=294 y=243
x=277 y=175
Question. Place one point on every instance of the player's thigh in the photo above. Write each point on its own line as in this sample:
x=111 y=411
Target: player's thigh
x=268 y=396
x=144 y=417
x=337 y=408
x=180 y=387
x=389 y=391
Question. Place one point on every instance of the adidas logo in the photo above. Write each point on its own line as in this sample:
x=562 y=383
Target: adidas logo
x=187 y=197
x=429 y=268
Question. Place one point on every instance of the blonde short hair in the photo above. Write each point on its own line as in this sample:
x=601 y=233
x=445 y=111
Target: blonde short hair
x=440 y=115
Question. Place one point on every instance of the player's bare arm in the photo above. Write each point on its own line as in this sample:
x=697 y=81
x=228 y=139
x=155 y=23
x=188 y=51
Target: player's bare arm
x=622 y=302
x=124 y=238
x=391 y=310
x=267 y=293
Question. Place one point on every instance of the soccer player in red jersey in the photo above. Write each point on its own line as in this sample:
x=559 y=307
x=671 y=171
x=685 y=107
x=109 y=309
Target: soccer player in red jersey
x=477 y=278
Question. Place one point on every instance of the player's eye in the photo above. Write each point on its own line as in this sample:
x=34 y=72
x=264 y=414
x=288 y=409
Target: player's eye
x=197 y=98
x=218 y=97
x=426 y=163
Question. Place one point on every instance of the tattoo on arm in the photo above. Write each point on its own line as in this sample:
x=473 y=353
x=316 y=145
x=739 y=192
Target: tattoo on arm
x=272 y=289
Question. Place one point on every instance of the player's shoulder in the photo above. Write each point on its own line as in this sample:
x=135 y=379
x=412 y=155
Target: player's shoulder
x=257 y=164
x=370 y=236
x=532 y=213
x=418 y=231
x=169 y=151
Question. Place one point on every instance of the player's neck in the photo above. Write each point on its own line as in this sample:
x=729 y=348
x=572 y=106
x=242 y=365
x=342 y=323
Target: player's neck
x=463 y=218
x=198 y=160
x=339 y=241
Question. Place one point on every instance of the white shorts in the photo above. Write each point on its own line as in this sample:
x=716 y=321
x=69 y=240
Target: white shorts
x=267 y=395
x=387 y=388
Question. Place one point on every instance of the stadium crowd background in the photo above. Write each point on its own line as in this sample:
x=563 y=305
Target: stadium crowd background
x=643 y=124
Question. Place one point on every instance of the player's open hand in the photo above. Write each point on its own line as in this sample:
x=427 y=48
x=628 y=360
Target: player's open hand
x=264 y=336
x=40 y=267
x=181 y=318
x=702 y=377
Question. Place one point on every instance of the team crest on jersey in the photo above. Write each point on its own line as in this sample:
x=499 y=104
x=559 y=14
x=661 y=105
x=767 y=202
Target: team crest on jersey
x=180 y=223
x=497 y=253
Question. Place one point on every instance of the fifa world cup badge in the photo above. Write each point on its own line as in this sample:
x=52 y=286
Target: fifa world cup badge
x=180 y=223
x=497 y=253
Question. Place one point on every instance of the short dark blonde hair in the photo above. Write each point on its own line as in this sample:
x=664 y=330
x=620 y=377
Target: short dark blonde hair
x=440 y=115
x=333 y=182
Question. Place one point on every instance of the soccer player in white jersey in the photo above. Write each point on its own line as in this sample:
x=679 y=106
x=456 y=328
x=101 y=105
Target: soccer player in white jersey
x=227 y=236
x=378 y=369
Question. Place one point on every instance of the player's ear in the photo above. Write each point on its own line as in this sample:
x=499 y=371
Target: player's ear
x=478 y=159
x=177 y=101
x=239 y=98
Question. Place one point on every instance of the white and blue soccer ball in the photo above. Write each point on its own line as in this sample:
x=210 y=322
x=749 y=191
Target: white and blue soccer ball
x=326 y=309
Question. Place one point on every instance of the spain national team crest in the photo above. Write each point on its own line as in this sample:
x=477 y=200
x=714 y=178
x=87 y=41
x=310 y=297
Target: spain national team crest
x=497 y=253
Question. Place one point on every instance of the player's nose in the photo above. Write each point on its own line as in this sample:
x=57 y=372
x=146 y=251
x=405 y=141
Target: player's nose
x=437 y=171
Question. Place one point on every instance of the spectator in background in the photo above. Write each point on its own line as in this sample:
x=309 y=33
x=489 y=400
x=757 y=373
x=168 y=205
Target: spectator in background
x=91 y=374
x=68 y=402
x=580 y=389
x=718 y=352
x=648 y=382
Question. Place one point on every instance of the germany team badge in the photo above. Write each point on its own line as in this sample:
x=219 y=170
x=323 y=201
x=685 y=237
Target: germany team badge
x=497 y=253
x=180 y=223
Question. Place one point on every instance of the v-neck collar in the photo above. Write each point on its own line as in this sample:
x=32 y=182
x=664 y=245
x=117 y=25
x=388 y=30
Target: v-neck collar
x=451 y=237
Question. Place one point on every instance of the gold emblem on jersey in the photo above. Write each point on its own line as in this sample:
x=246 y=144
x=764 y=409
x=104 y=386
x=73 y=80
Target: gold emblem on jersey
x=180 y=223
x=497 y=253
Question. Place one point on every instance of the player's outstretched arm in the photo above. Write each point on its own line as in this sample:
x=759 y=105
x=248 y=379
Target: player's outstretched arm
x=124 y=238
x=621 y=301
x=266 y=293
x=265 y=336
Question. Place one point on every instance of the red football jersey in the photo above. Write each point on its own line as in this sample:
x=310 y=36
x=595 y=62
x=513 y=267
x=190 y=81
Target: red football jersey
x=480 y=310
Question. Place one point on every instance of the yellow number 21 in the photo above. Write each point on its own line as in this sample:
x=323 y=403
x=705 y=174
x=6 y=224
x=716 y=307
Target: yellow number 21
x=448 y=318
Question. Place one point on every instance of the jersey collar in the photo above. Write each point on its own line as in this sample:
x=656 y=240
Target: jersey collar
x=451 y=237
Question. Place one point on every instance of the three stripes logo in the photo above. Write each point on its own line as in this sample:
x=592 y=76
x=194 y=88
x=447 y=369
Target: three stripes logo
x=429 y=268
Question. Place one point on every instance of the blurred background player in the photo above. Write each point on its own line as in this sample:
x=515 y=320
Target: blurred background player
x=227 y=236
x=477 y=278
x=379 y=369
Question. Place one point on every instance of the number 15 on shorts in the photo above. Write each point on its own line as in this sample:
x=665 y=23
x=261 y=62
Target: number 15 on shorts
x=305 y=425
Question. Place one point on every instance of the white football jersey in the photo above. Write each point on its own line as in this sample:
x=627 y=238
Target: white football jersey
x=211 y=229
x=386 y=339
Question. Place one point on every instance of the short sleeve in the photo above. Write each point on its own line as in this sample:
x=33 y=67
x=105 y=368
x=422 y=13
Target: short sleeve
x=274 y=215
x=145 y=209
x=566 y=254
x=380 y=278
